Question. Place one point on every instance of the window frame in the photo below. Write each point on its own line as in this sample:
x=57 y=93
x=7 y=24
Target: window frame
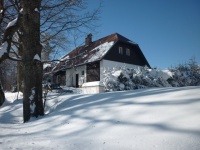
x=120 y=50
x=128 y=52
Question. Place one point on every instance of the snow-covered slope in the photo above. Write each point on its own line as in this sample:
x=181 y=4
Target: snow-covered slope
x=157 y=118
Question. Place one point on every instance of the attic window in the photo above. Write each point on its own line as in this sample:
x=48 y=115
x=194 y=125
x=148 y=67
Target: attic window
x=128 y=53
x=120 y=50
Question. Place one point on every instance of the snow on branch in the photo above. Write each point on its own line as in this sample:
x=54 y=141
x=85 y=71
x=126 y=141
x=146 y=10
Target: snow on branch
x=21 y=11
x=36 y=9
x=11 y=28
x=37 y=57
x=3 y=49
x=12 y=23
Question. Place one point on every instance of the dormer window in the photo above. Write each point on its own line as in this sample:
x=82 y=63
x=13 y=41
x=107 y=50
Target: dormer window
x=128 y=53
x=120 y=50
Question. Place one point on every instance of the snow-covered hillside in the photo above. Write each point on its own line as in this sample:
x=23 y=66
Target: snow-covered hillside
x=154 y=118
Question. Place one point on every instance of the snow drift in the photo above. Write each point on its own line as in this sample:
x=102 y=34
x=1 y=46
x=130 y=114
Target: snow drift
x=154 y=118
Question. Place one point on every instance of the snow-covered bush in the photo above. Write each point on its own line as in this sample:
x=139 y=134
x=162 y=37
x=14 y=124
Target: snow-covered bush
x=137 y=78
x=186 y=75
x=143 y=77
x=110 y=81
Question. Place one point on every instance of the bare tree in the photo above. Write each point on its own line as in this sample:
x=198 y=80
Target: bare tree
x=30 y=20
x=64 y=17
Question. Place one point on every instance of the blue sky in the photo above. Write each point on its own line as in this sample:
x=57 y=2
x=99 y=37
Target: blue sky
x=167 y=31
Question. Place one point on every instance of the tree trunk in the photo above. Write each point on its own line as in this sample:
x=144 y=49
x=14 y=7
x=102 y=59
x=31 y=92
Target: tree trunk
x=19 y=77
x=2 y=96
x=20 y=71
x=32 y=66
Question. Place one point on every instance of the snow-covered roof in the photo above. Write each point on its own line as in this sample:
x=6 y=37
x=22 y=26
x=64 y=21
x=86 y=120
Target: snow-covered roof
x=100 y=51
x=95 y=51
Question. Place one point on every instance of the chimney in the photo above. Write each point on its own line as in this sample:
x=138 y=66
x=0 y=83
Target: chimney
x=88 y=39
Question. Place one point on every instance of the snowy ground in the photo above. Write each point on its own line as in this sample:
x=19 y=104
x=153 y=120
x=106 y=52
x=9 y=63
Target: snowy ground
x=146 y=119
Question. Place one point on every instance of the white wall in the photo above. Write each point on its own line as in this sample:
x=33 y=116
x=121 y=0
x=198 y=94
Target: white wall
x=107 y=64
x=104 y=64
x=92 y=87
x=71 y=75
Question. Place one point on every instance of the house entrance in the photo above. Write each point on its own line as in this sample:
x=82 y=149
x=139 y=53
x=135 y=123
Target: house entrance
x=76 y=80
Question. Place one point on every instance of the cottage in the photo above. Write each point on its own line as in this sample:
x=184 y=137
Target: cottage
x=83 y=66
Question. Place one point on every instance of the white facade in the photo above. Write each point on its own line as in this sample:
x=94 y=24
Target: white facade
x=76 y=77
x=74 y=73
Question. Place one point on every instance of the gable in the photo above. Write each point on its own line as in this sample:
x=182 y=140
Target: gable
x=135 y=55
x=104 y=48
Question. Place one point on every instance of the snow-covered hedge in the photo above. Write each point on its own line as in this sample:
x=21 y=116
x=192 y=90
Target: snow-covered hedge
x=128 y=79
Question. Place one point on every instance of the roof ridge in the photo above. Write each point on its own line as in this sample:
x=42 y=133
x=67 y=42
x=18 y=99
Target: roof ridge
x=87 y=53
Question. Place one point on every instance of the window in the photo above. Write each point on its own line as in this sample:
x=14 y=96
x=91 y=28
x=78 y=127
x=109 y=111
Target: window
x=93 y=72
x=83 y=72
x=120 y=50
x=128 y=53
